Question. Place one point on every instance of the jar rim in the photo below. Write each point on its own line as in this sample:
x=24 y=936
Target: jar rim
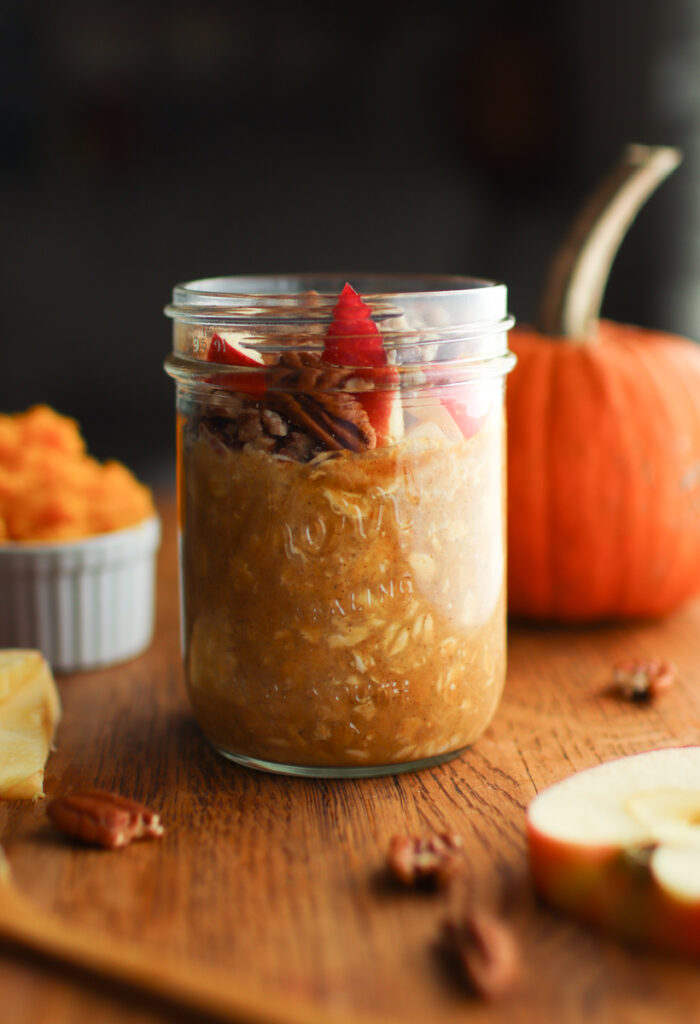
x=242 y=299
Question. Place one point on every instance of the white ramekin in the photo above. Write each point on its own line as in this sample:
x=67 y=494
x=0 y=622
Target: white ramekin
x=84 y=604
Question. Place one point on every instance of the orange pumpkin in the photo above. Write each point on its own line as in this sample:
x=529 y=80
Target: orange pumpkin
x=604 y=438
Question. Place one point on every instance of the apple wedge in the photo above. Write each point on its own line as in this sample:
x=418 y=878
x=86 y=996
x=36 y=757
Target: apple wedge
x=618 y=846
x=461 y=408
x=383 y=405
x=29 y=712
x=230 y=352
x=354 y=340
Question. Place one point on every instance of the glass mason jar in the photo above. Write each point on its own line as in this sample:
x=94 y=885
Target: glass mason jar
x=341 y=486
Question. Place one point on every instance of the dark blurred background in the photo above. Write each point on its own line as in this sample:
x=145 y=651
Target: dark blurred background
x=145 y=143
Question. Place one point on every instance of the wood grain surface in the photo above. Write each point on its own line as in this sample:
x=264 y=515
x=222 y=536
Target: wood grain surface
x=279 y=882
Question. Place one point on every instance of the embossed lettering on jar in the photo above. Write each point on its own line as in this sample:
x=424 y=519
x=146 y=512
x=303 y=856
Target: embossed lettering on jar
x=341 y=493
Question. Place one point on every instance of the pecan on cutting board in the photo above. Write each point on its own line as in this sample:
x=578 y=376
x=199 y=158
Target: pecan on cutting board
x=486 y=951
x=103 y=819
x=431 y=861
x=638 y=680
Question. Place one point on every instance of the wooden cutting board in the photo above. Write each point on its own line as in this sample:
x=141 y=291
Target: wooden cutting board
x=278 y=882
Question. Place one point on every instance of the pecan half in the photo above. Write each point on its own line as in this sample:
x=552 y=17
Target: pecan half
x=638 y=680
x=310 y=396
x=337 y=420
x=486 y=951
x=105 y=819
x=416 y=861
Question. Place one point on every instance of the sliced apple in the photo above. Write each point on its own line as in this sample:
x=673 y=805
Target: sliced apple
x=618 y=846
x=230 y=352
x=677 y=871
x=29 y=712
x=672 y=814
x=468 y=402
x=384 y=407
x=354 y=340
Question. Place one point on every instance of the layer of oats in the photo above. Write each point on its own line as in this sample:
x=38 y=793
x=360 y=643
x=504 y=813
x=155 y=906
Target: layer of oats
x=348 y=611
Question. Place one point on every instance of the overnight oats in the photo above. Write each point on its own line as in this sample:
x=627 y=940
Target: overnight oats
x=341 y=499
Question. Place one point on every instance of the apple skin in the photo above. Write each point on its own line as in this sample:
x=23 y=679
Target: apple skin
x=459 y=411
x=223 y=351
x=383 y=406
x=603 y=887
x=468 y=403
x=612 y=886
x=354 y=340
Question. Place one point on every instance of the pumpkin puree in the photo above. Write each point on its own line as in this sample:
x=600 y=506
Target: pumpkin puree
x=52 y=490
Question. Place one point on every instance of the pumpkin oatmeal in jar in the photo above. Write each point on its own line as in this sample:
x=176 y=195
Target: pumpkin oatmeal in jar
x=341 y=496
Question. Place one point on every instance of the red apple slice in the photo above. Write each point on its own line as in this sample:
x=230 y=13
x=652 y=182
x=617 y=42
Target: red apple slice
x=460 y=410
x=618 y=846
x=463 y=415
x=224 y=350
x=232 y=353
x=468 y=402
x=384 y=407
x=354 y=340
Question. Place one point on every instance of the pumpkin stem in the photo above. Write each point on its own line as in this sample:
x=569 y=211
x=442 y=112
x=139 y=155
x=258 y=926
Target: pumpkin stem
x=580 y=269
